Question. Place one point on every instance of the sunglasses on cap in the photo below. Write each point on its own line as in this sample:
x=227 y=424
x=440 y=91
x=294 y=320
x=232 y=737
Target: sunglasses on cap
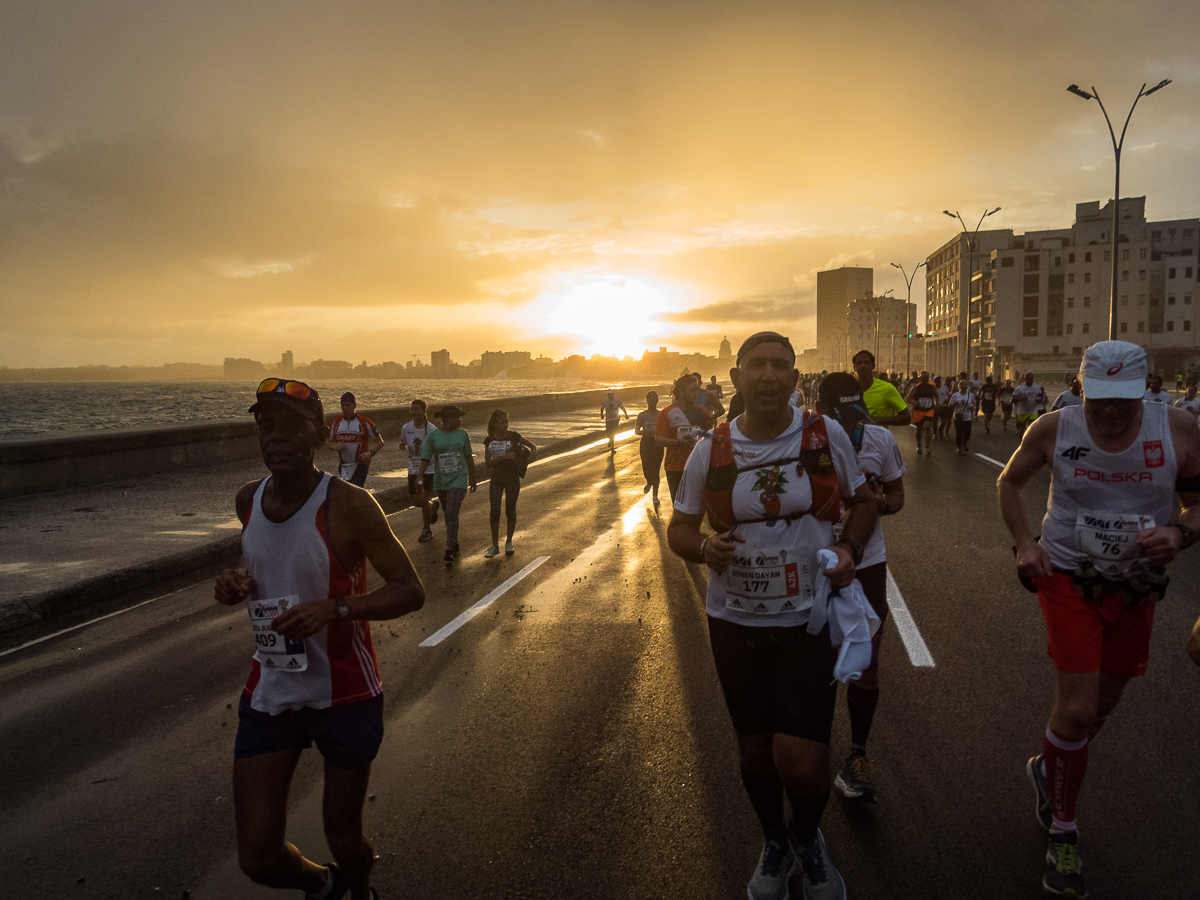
x=297 y=389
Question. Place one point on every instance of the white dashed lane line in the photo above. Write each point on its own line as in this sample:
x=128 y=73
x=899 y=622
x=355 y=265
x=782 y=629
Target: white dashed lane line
x=994 y=462
x=446 y=630
x=914 y=644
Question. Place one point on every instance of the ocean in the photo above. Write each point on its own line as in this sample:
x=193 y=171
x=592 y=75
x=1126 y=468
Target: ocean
x=33 y=408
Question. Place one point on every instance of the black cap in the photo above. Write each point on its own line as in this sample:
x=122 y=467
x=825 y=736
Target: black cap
x=348 y=398
x=276 y=391
x=450 y=410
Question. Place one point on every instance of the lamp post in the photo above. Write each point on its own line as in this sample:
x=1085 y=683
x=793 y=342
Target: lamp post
x=964 y=307
x=908 y=280
x=1117 y=145
x=877 y=302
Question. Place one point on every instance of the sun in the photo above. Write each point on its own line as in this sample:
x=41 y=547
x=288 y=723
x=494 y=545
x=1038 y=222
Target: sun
x=614 y=315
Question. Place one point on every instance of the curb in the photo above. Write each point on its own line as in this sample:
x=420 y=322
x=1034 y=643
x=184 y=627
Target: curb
x=35 y=608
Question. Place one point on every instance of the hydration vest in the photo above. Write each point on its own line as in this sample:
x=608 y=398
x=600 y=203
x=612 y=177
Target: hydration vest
x=815 y=459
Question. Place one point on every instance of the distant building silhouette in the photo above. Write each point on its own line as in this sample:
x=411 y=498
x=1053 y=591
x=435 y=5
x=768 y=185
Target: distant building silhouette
x=243 y=369
x=439 y=361
x=836 y=290
x=725 y=354
x=286 y=367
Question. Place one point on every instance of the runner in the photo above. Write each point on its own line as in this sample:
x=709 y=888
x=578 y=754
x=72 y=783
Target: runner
x=454 y=473
x=507 y=454
x=306 y=540
x=714 y=389
x=677 y=426
x=1190 y=401
x=648 y=449
x=1025 y=397
x=924 y=398
x=883 y=401
x=610 y=411
x=962 y=403
x=412 y=436
x=987 y=404
x=945 y=414
x=356 y=439
x=1006 y=404
x=797 y=398
x=776 y=677
x=1109 y=530
x=1155 y=393
x=879 y=458
x=1073 y=397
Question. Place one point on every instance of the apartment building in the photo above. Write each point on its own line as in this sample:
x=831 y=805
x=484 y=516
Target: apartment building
x=836 y=290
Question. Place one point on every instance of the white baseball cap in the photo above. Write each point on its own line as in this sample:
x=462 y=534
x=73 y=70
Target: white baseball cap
x=1113 y=370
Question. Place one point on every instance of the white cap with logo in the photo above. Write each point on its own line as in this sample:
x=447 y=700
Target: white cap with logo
x=1113 y=370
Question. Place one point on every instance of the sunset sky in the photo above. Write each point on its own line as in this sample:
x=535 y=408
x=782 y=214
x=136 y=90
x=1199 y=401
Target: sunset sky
x=369 y=181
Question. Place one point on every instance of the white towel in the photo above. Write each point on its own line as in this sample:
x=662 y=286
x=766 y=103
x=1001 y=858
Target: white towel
x=852 y=622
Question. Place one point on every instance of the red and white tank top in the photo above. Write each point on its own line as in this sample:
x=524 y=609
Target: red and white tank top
x=293 y=559
x=353 y=437
x=1099 y=501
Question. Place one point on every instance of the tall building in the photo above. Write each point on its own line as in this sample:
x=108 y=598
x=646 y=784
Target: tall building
x=836 y=290
x=1045 y=294
x=286 y=365
x=725 y=355
x=439 y=361
x=948 y=282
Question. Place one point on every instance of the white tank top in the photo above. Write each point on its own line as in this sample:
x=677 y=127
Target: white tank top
x=1099 y=501
x=293 y=561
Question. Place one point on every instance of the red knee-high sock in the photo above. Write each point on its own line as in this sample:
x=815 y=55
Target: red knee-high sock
x=1066 y=763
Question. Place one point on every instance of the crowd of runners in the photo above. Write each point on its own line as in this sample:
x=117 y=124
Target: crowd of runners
x=794 y=484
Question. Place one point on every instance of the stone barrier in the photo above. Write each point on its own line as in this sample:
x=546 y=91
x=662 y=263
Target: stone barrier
x=37 y=464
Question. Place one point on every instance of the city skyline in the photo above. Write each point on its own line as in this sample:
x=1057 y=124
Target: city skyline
x=559 y=178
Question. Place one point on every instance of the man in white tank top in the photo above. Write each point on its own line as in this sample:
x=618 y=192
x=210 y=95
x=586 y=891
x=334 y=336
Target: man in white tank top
x=306 y=539
x=1110 y=528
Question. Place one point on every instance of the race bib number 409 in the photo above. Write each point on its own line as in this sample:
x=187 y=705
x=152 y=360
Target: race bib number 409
x=768 y=582
x=272 y=650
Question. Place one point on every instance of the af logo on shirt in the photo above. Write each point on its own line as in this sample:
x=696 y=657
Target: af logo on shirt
x=1154 y=454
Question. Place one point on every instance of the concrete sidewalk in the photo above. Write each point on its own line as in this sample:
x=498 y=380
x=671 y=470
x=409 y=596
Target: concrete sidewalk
x=66 y=549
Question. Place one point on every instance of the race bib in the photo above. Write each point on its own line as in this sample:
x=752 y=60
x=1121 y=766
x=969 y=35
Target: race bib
x=688 y=434
x=272 y=650
x=414 y=465
x=925 y=402
x=449 y=463
x=768 y=582
x=1110 y=539
x=499 y=448
x=346 y=469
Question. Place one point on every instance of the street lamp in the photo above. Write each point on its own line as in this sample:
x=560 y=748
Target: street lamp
x=964 y=320
x=1117 y=145
x=908 y=280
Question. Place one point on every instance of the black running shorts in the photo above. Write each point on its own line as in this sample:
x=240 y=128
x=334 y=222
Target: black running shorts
x=775 y=679
x=874 y=584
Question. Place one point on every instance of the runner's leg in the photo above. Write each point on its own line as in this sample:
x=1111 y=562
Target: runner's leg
x=345 y=794
x=260 y=796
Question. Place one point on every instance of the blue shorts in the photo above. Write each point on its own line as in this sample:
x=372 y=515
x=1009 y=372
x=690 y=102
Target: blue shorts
x=348 y=736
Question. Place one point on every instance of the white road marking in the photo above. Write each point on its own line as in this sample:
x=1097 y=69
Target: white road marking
x=918 y=653
x=994 y=462
x=446 y=630
x=99 y=619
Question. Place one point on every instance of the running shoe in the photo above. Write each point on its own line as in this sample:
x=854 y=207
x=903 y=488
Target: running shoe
x=1036 y=770
x=426 y=535
x=508 y=548
x=338 y=888
x=775 y=866
x=433 y=514
x=491 y=552
x=656 y=503
x=928 y=452
x=448 y=556
x=646 y=489
x=1064 y=867
x=854 y=781
x=822 y=880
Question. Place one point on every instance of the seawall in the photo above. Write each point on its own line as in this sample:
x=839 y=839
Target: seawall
x=37 y=464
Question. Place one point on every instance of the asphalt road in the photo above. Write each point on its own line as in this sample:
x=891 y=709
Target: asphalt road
x=570 y=740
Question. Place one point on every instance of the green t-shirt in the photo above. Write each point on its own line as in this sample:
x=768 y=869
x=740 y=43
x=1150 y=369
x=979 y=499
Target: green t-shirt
x=883 y=399
x=449 y=453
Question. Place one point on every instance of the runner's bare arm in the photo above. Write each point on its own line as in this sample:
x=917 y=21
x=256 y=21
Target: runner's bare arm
x=891 y=500
x=1161 y=545
x=901 y=418
x=685 y=541
x=235 y=585
x=861 y=516
x=1037 y=447
x=358 y=527
x=471 y=473
x=375 y=445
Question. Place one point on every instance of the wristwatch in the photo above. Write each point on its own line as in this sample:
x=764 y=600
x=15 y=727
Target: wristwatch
x=342 y=608
x=855 y=548
x=1189 y=536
